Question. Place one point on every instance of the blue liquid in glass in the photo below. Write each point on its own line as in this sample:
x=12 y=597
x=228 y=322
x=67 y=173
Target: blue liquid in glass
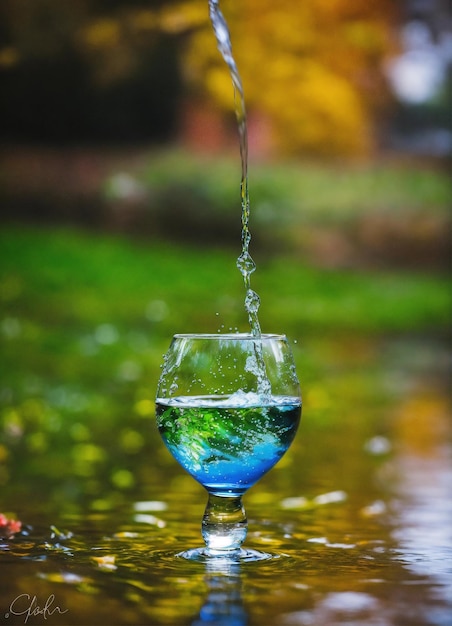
x=224 y=447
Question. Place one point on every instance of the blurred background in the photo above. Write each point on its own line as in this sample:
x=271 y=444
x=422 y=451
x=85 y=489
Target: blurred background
x=120 y=214
x=108 y=108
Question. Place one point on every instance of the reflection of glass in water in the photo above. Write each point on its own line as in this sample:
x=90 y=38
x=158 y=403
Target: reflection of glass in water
x=224 y=603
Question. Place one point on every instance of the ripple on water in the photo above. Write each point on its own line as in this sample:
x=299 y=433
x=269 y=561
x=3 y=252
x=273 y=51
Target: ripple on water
x=132 y=558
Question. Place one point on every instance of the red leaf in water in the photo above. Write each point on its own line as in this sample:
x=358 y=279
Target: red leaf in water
x=8 y=527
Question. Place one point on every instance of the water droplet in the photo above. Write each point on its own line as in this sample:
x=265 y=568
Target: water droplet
x=246 y=264
x=252 y=301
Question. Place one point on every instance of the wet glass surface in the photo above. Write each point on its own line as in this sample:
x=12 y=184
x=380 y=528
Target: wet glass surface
x=357 y=516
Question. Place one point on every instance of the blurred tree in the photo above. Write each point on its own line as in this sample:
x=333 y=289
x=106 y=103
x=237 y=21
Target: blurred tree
x=86 y=71
x=313 y=69
x=114 y=69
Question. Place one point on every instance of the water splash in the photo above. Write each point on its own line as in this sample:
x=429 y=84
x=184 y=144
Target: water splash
x=245 y=263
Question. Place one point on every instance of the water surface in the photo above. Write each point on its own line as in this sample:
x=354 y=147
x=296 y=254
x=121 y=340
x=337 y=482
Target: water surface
x=357 y=513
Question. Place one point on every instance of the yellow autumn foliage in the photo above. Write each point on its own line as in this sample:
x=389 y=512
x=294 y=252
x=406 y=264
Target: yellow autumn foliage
x=312 y=69
x=102 y=33
x=322 y=115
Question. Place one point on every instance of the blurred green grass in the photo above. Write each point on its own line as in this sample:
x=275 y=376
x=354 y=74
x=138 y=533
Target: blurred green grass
x=307 y=192
x=74 y=279
x=79 y=306
x=86 y=318
x=384 y=214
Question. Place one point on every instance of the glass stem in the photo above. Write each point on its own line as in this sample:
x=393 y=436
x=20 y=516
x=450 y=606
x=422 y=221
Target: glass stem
x=224 y=525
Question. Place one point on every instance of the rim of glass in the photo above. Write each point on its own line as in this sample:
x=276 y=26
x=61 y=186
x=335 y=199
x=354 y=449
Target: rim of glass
x=232 y=336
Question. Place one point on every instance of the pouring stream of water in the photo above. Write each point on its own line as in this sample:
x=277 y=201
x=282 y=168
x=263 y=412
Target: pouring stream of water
x=245 y=262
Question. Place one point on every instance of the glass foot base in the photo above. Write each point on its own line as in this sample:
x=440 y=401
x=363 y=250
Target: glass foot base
x=204 y=555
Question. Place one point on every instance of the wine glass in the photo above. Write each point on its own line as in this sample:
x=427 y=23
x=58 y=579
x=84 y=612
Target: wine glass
x=228 y=407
